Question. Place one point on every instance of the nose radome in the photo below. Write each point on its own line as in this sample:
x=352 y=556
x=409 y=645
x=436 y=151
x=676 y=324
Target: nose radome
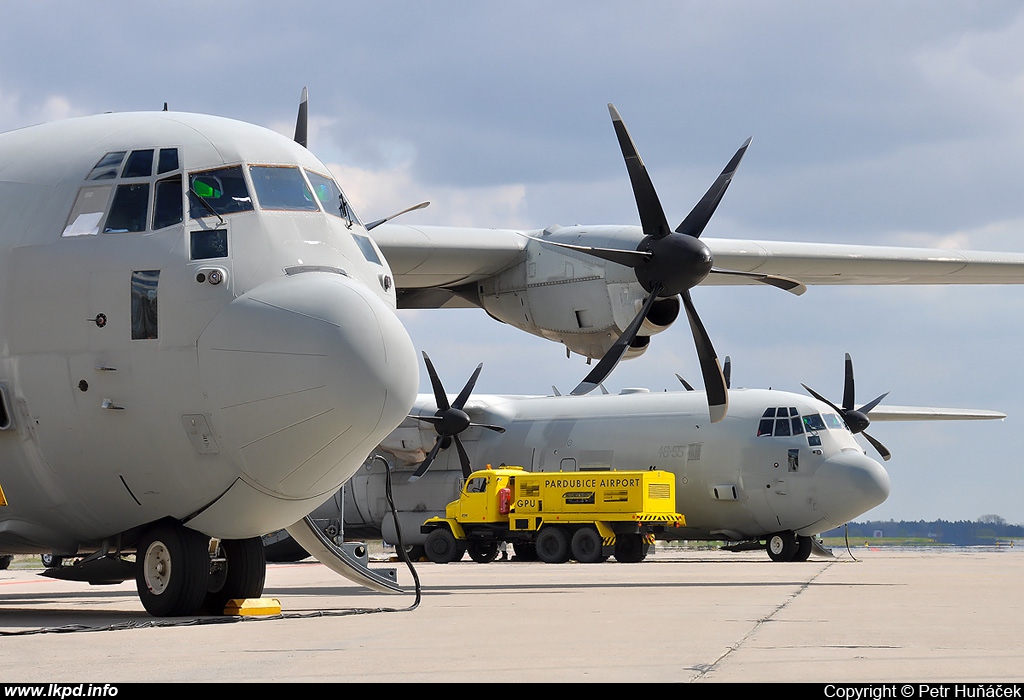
x=849 y=484
x=305 y=375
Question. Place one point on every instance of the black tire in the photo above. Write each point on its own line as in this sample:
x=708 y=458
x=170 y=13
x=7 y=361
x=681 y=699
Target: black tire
x=482 y=551
x=172 y=568
x=803 y=548
x=525 y=551
x=241 y=575
x=5 y=560
x=552 y=545
x=782 y=546
x=51 y=561
x=630 y=548
x=441 y=546
x=587 y=545
x=415 y=552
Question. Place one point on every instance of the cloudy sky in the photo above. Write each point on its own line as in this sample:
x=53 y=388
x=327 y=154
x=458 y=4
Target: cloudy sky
x=887 y=123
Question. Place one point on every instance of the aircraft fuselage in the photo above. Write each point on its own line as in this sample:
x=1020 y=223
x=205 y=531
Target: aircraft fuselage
x=734 y=480
x=194 y=326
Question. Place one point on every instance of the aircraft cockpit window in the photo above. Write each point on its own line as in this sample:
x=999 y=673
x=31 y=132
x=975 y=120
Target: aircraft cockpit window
x=833 y=421
x=783 y=421
x=167 y=209
x=128 y=211
x=139 y=164
x=108 y=166
x=281 y=188
x=217 y=192
x=331 y=197
x=168 y=161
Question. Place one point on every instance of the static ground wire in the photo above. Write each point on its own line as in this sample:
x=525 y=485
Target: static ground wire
x=223 y=619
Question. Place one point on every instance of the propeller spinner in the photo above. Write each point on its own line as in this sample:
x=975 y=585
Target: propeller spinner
x=856 y=419
x=449 y=420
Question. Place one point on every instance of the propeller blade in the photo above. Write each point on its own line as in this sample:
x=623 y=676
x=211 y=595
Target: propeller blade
x=463 y=458
x=495 y=428
x=652 y=216
x=714 y=381
x=435 y=382
x=878 y=446
x=302 y=121
x=784 y=283
x=866 y=408
x=425 y=464
x=821 y=398
x=727 y=372
x=685 y=383
x=616 y=351
x=848 y=387
x=463 y=397
x=697 y=219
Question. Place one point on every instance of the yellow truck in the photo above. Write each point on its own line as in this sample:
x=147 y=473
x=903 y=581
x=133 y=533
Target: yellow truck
x=555 y=516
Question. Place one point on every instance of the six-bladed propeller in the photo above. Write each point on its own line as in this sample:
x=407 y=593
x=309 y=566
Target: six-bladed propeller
x=449 y=420
x=856 y=418
x=669 y=263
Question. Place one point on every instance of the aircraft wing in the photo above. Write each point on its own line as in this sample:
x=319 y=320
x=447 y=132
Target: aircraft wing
x=429 y=262
x=920 y=413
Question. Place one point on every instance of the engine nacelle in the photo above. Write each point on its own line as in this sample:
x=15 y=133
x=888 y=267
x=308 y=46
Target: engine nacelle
x=573 y=298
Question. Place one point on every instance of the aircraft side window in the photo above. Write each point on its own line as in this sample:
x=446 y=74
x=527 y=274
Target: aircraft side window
x=139 y=164
x=128 y=211
x=366 y=247
x=84 y=219
x=107 y=167
x=144 y=308
x=217 y=192
x=167 y=208
x=281 y=188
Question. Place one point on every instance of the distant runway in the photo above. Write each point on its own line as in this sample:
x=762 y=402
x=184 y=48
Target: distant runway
x=915 y=615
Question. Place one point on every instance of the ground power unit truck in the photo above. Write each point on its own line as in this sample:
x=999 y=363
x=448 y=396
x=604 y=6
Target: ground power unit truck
x=555 y=516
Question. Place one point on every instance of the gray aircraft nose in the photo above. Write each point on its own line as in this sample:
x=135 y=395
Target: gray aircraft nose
x=305 y=375
x=849 y=484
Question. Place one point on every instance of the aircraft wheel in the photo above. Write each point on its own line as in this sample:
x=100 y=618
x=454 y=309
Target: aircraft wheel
x=483 y=552
x=586 y=545
x=51 y=561
x=442 y=547
x=5 y=560
x=803 y=548
x=552 y=545
x=782 y=546
x=172 y=567
x=241 y=575
x=630 y=548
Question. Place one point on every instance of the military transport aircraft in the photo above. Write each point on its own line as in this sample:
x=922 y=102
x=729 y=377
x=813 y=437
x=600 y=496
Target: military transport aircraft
x=199 y=342
x=779 y=469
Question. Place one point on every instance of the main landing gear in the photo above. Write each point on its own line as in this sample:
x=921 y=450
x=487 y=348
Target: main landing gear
x=182 y=572
x=788 y=546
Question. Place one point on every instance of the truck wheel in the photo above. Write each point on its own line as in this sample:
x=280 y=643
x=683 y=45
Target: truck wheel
x=586 y=546
x=552 y=546
x=482 y=552
x=630 y=548
x=441 y=546
x=525 y=551
x=5 y=560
